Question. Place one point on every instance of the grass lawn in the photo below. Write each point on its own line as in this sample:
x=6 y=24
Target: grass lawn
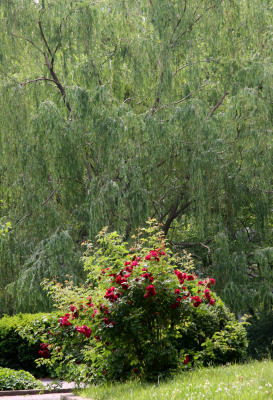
x=237 y=382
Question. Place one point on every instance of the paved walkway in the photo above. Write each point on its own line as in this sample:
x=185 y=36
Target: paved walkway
x=59 y=384
x=52 y=396
x=49 y=396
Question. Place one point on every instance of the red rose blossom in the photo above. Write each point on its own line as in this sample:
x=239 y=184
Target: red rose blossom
x=207 y=294
x=211 y=282
x=197 y=301
x=64 y=321
x=186 y=360
x=110 y=294
x=212 y=302
x=44 y=352
x=84 y=330
x=150 y=291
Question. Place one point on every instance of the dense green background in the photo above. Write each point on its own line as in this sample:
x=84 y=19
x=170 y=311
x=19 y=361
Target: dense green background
x=116 y=111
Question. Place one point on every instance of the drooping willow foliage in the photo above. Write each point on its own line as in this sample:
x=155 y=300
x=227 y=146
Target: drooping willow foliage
x=116 y=111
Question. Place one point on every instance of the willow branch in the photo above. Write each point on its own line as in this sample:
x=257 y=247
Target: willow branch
x=49 y=197
x=218 y=104
x=175 y=212
x=190 y=27
x=20 y=220
x=206 y=247
x=189 y=63
x=44 y=38
x=42 y=78
x=51 y=69
x=28 y=40
x=59 y=42
x=179 y=101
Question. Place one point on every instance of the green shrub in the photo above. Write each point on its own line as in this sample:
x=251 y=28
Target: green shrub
x=260 y=336
x=147 y=314
x=17 y=352
x=11 y=379
x=227 y=345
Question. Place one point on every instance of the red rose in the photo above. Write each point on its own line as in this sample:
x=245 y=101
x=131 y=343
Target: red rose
x=150 y=291
x=207 y=294
x=64 y=321
x=178 y=274
x=110 y=294
x=44 y=352
x=211 y=282
x=186 y=360
x=125 y=286
x=197 y=301
x=176 y=304
x=84 y=330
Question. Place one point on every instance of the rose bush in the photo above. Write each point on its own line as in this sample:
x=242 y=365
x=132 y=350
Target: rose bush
x=144 y=313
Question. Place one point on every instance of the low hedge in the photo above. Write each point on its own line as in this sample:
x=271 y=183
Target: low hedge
x=11 y=379
x=15 y=351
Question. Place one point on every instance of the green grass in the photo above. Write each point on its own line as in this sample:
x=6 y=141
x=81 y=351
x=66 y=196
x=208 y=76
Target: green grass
x=250 y=381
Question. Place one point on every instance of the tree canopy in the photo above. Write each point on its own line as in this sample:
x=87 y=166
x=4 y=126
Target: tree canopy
x=116 y=111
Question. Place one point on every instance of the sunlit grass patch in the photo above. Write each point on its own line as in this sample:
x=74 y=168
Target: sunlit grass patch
x=252 y=381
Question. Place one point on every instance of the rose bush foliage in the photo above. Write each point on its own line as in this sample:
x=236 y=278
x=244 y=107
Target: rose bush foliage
x=144 y=313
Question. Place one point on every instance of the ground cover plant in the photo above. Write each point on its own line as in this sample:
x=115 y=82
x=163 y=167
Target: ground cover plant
x=11 y=379
x=143 y=313
x=252 y=381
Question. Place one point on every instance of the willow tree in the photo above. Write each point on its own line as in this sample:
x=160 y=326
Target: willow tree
x=116 y=111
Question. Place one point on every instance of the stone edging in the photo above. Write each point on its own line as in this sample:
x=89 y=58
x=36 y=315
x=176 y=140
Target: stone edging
x=33 y=391
x=70 y=396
